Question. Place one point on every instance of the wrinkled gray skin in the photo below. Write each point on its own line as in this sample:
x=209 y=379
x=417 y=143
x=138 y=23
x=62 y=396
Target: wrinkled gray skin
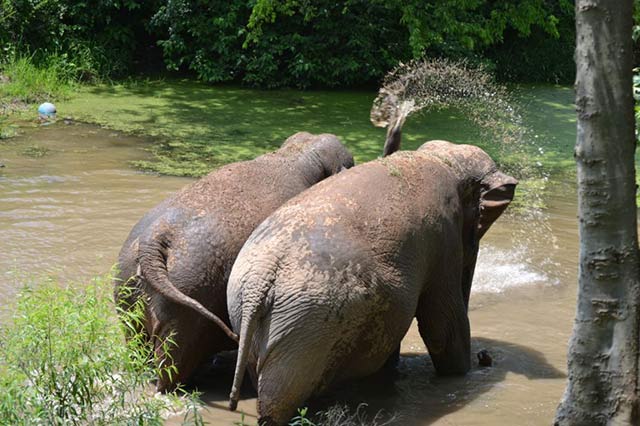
x=180 y=253
x=325 y=289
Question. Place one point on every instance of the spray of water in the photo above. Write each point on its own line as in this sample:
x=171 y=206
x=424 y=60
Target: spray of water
x=428 y=84
x=431 y=84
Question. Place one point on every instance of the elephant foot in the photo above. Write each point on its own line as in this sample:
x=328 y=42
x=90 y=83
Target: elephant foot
x=267 y=421
x=484 y=359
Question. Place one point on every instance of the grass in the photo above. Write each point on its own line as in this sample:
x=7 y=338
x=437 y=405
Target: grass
x=64 y=360
x=23 y=82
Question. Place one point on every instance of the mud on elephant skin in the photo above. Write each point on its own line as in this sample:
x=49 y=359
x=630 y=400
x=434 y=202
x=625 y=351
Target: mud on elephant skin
x=179 y=255
x=325 y=289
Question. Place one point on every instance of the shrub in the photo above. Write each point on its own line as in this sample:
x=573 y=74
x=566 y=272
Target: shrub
x=64 y=360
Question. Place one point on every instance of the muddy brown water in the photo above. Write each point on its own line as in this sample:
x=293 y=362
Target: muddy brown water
x=66 y=214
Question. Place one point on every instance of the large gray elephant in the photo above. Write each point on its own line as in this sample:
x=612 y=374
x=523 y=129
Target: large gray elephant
x=180 y=253
x=325 y=289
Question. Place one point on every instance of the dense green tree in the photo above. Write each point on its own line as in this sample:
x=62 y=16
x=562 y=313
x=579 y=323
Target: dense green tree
x=104 y=37
x=298 y=43
x=462 y=28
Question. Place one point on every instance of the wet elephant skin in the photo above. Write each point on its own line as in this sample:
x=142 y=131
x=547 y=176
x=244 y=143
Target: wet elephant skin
x=325 y=289
x=187 y=245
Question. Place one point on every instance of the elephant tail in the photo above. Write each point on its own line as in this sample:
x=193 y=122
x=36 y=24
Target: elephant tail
x=153 y=267
x=247 y=329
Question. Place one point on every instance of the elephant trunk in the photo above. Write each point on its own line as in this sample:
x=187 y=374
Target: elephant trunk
x=152 y=266
x=394 y=139
x=394 y=131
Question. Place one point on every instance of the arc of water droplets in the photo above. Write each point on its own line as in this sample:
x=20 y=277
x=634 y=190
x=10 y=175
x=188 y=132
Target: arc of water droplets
x=428 y=84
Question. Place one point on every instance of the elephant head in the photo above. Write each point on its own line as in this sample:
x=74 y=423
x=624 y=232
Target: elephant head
x=319 y=156
x=485 y=191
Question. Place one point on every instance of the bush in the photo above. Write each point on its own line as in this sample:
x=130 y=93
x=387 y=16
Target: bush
x=352 y=43
x=271 y=43
x=539 y=56
x=97 y=38
x=64 y=360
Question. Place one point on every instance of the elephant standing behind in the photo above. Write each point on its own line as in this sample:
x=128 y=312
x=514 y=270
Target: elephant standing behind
x=181 y=252
x=325 y=289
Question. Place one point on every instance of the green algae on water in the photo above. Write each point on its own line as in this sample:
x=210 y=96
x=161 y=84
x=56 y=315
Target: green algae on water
x=35 y=151
x=198 y=127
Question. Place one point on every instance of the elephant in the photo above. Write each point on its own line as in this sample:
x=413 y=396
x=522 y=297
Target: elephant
x=327 y=286
x=179 y=255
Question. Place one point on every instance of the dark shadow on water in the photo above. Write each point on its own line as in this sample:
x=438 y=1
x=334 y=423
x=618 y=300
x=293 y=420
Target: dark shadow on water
x=412 y=393
x=214 y=380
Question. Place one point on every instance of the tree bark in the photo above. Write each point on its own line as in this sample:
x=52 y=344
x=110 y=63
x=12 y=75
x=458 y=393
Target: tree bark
x=604 y=349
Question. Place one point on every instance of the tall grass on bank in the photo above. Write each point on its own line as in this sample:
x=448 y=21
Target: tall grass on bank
x=64 y=360
x=23 y=81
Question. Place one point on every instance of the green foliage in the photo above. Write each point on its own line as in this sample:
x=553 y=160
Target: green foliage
x=328 y=44
x=301 y=419
x=636 y=97
x=26 y=82
x=541 y=55
x=385 y=32
x=274 y=43
x=64 y=360
x=97 y=38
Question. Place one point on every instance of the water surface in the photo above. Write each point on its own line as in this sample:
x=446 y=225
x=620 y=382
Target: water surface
x=65 y=213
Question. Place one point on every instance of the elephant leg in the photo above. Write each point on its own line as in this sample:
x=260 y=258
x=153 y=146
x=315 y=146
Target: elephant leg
x=290 y=375
x=281 y=391
x=444 y=325
x=179 y=349
x=394 y=358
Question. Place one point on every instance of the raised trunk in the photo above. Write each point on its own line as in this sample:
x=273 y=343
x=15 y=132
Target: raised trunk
x=604 y=348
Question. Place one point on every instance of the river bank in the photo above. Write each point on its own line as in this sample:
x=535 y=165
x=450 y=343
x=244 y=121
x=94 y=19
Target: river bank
x=197 y=127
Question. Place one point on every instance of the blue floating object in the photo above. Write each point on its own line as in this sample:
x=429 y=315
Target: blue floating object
x=47 y=109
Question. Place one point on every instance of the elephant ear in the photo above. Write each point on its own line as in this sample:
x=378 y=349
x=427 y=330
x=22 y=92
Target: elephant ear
x=497 y=192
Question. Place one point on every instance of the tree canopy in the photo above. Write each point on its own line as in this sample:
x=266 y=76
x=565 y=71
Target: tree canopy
x=298 y=43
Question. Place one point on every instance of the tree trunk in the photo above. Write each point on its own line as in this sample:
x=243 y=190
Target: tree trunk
x=604 y=349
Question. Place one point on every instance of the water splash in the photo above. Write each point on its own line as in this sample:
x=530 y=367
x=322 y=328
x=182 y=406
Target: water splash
x=498 y=270
x=432 y=84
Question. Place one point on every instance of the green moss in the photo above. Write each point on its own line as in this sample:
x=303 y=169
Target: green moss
x=35 y=151
x=199 y=127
